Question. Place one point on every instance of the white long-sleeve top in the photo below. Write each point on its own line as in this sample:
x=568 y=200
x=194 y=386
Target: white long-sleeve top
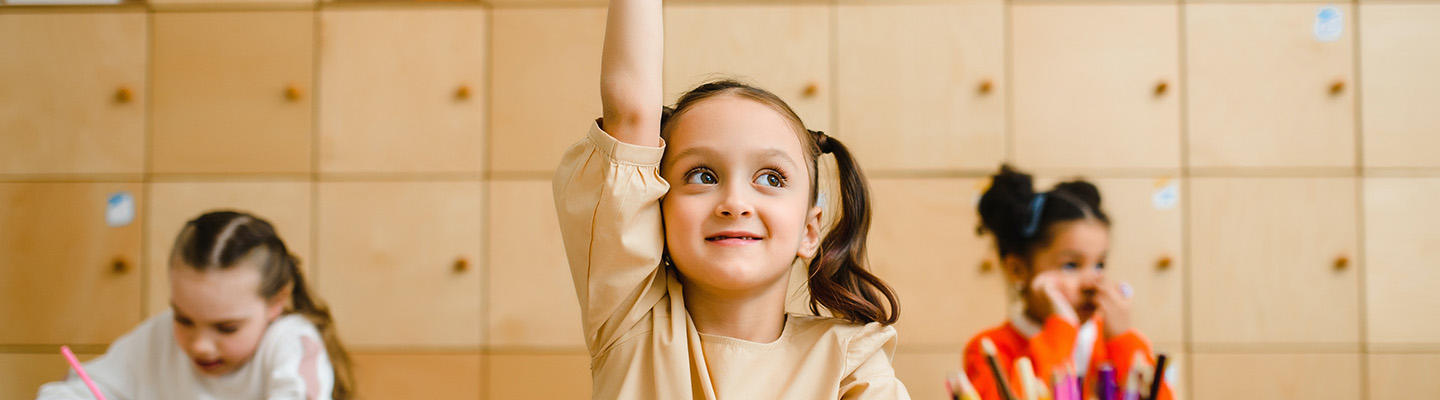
x=147 y=363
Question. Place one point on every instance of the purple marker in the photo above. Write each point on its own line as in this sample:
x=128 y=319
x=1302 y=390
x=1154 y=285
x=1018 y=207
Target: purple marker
x=1106 y=384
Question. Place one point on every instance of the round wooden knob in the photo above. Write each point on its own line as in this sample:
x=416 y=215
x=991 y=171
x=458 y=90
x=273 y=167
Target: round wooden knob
x=811 y=89
x=292 y=92
x=123 y=95
x=462 y=92
x=1342 y=262
x=1164 y=263
x=461 y=265
x=1337 y=87
x=986 y=266
x=1161 y=87
x=986 y=86
x=119 y=266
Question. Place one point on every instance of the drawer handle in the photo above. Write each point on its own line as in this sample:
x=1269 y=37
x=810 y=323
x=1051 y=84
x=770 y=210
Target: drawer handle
x=461 y=265
x=1161 y=87
x=292 y=93
x=462 y=92
x=119 y=266
x=986 y=86
x=1342 y=262
x=811 y=89
x=1337 y=87
x=123 y=95
x=1164 y=263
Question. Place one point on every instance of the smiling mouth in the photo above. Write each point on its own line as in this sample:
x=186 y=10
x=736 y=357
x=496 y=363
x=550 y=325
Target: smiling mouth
x=733 y=238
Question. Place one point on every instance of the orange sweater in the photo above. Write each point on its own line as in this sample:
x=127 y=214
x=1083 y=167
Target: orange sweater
x=1051 y=351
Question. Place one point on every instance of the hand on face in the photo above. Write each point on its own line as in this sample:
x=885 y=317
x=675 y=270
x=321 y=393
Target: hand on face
x=1114 y=306
x=1049 y=284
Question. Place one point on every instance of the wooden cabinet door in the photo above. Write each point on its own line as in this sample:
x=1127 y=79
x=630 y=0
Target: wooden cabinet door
x=782 y=48
x=531 y=293
x=70 y=274
x=21 y=374
x=1266 y=262
x=1282 y=376
x=1402 y=242
x=403 y=90
x=73 y=93
x=1268 y=90
x=545 y=85
x=1096 y=86
x=232 y=92
x=1399 y=54
x=399 y=262
x=919 y=85
x=1404 y=376
x=539 y=376
x=438 y=376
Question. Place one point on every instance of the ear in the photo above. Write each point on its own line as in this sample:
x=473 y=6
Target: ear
x=279 y=303
x=1016 y=268
x=810 y=239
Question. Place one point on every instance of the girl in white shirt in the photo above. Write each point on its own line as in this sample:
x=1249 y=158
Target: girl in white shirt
x=243 y=324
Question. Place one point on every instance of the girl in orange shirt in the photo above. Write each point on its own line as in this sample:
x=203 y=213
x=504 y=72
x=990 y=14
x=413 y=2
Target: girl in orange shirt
x=1053 y=245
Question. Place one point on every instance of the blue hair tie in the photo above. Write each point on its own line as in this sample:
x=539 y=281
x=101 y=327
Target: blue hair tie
x=1036 y=206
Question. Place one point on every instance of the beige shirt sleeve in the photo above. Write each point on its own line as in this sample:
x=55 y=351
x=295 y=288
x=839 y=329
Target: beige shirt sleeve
x=873 y=377
x=607 y=196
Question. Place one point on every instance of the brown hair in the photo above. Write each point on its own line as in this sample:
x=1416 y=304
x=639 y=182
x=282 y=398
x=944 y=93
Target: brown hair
x=220 y=239
x=839 y=278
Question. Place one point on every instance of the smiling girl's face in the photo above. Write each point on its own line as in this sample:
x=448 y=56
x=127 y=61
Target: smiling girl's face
x=740 y=208
x=219 y=314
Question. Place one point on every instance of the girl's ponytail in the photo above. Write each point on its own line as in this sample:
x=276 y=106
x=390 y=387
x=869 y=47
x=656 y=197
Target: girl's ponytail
x=840 y=280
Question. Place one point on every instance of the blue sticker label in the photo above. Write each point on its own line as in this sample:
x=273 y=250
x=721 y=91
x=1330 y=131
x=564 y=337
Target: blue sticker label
x=1166 y=197
x=120 y=209
x=1329 y=24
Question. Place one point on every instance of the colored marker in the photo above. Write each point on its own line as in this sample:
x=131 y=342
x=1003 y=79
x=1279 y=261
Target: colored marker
x=75 y=363
x=1003 y=387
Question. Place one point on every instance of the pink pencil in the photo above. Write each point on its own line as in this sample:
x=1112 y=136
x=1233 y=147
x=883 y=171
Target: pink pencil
x=75 y=363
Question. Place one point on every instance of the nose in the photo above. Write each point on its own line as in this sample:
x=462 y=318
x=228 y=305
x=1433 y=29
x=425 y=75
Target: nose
x=734 y=205
x=202 y=346
x=1090 y=277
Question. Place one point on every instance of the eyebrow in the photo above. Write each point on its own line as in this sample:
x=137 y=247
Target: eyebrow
x=764 y=155
x=180 y=314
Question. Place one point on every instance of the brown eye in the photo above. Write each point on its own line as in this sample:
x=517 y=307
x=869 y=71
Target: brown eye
x=771 y=179
x=701 y=177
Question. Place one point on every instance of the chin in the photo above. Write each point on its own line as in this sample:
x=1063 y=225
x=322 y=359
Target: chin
x=733 y=276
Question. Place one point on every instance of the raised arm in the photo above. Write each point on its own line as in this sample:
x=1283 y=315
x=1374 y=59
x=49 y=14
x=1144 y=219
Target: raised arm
x=630 y=71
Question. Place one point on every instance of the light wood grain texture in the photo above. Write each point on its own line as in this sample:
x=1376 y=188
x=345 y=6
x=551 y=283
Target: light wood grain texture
x=221 y=81
x=909 y=83
x=391 y=83
x=782 y=48
x=57 y=263
x=545 y=84
x=1399 y=52
x=1260 y=87
x=386 y=262
x=1263 y=260
x=1085 y=85
x=59 y=113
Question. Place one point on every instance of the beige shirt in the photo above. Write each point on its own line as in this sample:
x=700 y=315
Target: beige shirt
x=643 y=344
